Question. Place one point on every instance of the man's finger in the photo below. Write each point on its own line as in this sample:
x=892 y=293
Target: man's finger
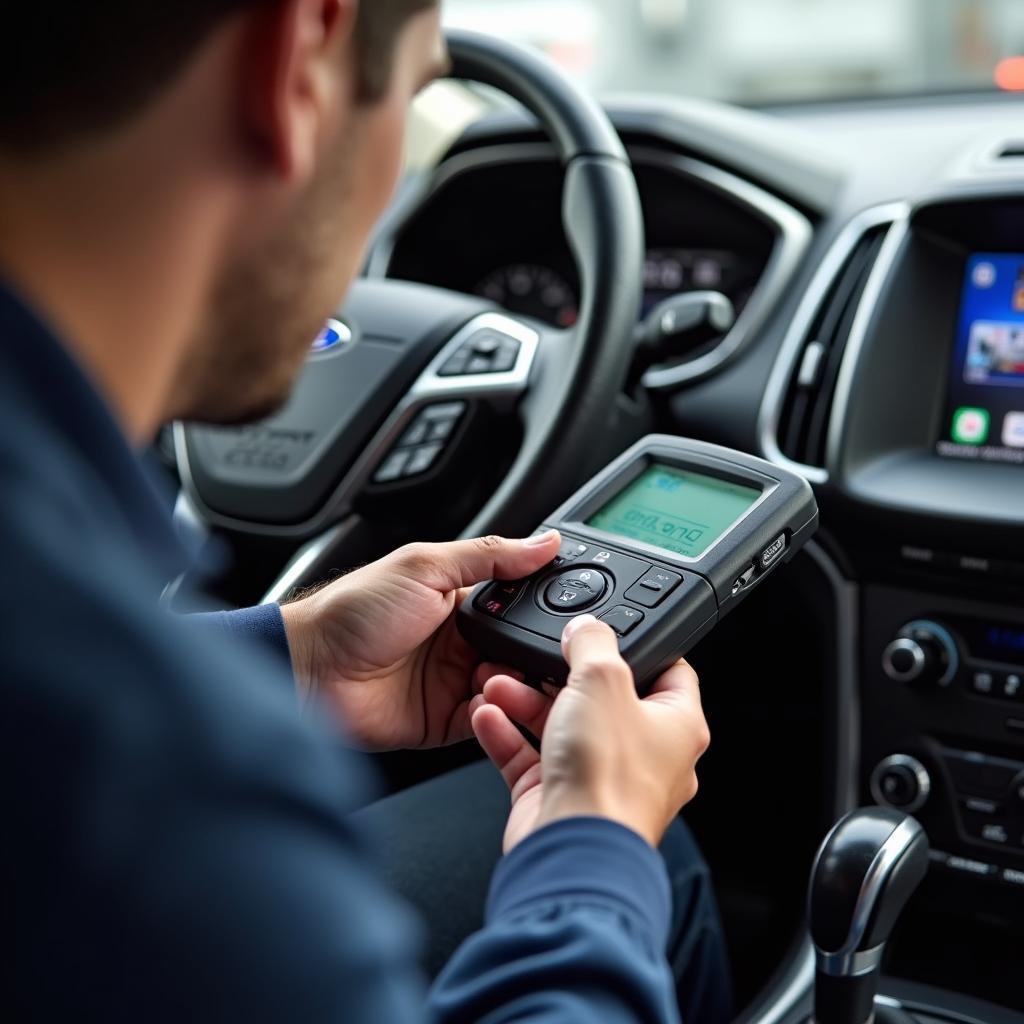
x=503 y=744
x=592 y=650
x=679 y=683
x=522 y=703
x=463 y=563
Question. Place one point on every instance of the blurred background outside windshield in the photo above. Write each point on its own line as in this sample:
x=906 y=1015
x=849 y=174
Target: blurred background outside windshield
x=767 y=51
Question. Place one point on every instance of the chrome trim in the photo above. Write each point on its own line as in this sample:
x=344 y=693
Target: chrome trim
x=858 y=333
x=852 y=965
x=847 y=961
x=795 y=987
x=924 y=781
x=499 y=389
x=793 y=230
x=304 y=565
x=793 y=238
x=797 y=335
x=903 y=643
x=945 y=639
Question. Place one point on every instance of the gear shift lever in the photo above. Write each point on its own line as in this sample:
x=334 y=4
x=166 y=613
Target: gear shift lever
x=866 y=869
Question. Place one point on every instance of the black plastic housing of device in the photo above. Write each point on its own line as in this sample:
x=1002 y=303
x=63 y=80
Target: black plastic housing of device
x=712 y=584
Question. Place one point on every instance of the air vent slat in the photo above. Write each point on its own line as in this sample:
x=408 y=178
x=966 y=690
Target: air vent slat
x=803 y=427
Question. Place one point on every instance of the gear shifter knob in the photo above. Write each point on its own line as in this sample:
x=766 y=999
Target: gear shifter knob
x=867 y=868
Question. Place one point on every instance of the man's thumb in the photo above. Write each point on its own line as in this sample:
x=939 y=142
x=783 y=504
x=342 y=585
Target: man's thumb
x=462 y=563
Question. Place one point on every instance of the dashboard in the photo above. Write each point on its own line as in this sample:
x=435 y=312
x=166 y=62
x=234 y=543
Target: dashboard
x=513 y=251
x=875 y=255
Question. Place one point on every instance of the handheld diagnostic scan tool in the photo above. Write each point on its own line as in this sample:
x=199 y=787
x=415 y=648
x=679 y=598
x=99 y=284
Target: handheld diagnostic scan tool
x=661 y=544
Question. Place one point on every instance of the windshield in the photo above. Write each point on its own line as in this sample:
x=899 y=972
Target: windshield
x=767 y=51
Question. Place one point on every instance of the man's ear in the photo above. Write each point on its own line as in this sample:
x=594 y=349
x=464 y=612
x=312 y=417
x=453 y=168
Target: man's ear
x=294 y=75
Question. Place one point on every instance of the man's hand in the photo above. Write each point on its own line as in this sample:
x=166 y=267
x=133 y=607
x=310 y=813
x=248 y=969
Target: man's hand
x=604 y=751
x=380 y=644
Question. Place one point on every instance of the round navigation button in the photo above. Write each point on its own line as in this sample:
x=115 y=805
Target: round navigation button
x=573 y=591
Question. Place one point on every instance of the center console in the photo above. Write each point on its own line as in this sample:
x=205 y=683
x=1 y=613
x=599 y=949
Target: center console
x=921 y=486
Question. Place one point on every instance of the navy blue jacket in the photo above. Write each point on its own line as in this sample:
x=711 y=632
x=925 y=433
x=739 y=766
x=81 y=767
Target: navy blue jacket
x=175 y=841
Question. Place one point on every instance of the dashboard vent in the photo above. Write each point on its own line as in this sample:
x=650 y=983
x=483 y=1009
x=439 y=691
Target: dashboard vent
x=1011 y=151
x=803 y=425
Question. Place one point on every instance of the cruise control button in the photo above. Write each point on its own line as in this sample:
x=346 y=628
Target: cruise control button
x=422 y=459
x=506 y=357
x=622 y=619
x=455 y=366
x=417 y=433
x=653 y=587
x=575 y=590
x=392 y=468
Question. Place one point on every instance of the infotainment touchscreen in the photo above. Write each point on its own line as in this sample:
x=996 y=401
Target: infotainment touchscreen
x=985 y=409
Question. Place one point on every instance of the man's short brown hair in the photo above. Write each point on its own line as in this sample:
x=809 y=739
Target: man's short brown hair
x=72 y=68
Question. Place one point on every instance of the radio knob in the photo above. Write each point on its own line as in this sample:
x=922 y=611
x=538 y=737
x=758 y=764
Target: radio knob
x=902 y=782
x=922 y=651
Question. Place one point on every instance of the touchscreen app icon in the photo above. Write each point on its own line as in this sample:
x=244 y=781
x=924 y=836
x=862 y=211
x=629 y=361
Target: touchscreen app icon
x=970 y=426
x=1013 y=430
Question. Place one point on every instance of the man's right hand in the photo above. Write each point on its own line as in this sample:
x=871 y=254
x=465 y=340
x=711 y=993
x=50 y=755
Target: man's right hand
x=605 y=751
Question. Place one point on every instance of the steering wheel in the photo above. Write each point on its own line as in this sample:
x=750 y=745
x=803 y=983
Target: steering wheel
x=404 y=363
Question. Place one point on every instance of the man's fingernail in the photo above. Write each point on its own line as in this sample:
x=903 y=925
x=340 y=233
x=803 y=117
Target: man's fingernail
x=574 y=624
x=541 y=538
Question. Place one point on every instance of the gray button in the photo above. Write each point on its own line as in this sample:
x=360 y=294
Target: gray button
x=392 y=467
x=622 y=619
x=422 y=459
x=417 y=433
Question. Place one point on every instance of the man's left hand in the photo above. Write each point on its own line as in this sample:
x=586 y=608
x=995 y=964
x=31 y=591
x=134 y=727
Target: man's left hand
x=381 y=647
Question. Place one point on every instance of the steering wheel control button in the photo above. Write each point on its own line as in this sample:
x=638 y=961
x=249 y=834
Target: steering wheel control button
x=423 y=458
x=653 y=587
x=772 y=553
x=576 y=590
x=623 y=620
x=486 y=351
x=497 y=599
x=393 y=467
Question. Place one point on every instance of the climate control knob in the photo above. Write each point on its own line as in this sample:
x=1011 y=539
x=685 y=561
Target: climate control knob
x=902 y=782
x=923 y=651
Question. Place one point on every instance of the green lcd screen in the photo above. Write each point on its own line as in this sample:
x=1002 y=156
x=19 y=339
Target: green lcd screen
x=674 y=509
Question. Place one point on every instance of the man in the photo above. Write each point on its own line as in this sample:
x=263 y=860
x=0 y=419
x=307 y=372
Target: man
x=184 y=191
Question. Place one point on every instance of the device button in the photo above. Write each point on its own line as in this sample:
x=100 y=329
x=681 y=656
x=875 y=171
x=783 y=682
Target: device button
x=622 y=619
x=1012 y=686
x=653 y=587
x=499 y=597
x=983 y=683
x=575 y=590
x=569 y=552
x=772 y=553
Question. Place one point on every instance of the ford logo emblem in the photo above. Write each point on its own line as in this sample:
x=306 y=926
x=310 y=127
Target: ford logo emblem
x=333 y=335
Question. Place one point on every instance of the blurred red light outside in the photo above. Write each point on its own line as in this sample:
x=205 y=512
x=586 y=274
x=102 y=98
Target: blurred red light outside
x=1009 y=74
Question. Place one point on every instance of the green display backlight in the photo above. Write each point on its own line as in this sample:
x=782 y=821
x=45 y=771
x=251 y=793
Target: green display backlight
x=675 y=509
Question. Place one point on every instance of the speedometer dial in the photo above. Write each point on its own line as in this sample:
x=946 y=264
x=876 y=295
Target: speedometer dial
x=532 y=290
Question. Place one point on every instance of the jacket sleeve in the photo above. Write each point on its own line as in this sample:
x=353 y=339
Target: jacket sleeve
x=262 y=624
x=576 y=927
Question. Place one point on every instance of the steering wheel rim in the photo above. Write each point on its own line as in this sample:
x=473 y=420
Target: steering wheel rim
x=576 y=376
